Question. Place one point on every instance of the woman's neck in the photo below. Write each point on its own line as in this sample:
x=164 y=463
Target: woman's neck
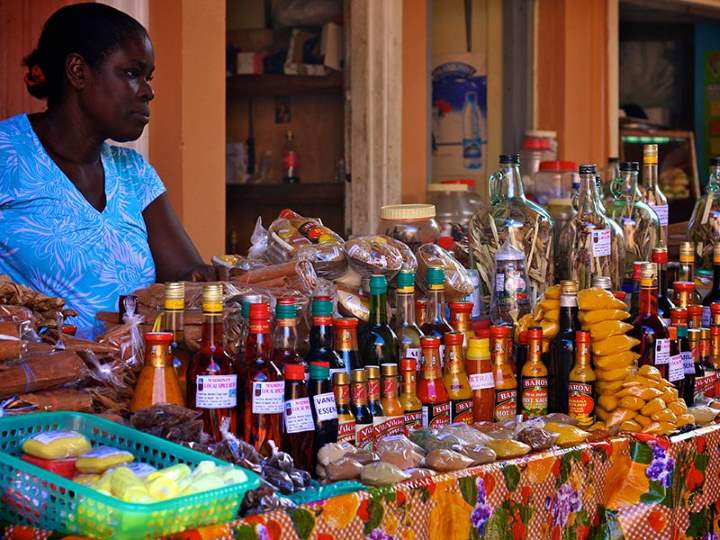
x=67 y=135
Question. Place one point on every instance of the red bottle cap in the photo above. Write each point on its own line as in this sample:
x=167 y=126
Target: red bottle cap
x=260 y=311
x=680 y=314
x=620 y=295
x=429 y=341
x=558 y=166
x=461 y=307
x=295 y=372
x=469 y=182
x=660 y=256
x=715 y=331
x=346 y=322
x=684 y=286
x=695 y=311
x=535 y=333
x=408 y=364
x=152 y=338
x=454 y=338
x=523 y=337
x=320 y=363
x=499 y=331
x=715 y=308
x=582 y=336
x=637 y=268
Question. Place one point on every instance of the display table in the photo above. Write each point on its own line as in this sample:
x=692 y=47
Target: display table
x=637 y=488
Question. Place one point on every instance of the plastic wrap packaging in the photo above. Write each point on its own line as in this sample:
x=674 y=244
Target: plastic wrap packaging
x=466 y=435
x=10 y=344
x=537 y=438
x=402 y=458
x=332 y=452
x=351 y=304
x=443 y=460
x=345 y=468
x=420 y=473
x=508 y=448
x=398 y=443
x=62 y=399
x=382 y=474
x=170 y=422
x=479 y=454
x=377 y=254
x=40 y=371
x=43 y=308
x=458 y=283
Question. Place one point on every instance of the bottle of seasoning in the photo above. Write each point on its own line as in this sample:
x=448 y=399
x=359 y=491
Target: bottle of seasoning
x=407 y=330
x=324 y=409
x=534 y=377
x=581 y=386
x=430 y=388
x=696 y=368
x=346 y=343
x=174 y=321
x=411 y=404
x=460 y=313
x=456 y=380
x=321 y=335
x=715 y=314
x=714 y=294
x=393 y=409
x=264 y=401
x=364 y=429
x=379 y=344
x=665 y=305
x=695 y=314
x=505 y=382
x=157 y=382
x=346 y=419
x=480 y=374
x=654 y=347
x=435 y=325
x=299 y=427
x=562 y=349
x=684 y=291
x=521 y=355
x=212 y=379
x=285 y=336
x=372 y=374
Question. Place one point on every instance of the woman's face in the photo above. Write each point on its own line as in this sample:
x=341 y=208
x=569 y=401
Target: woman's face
x=118 y=95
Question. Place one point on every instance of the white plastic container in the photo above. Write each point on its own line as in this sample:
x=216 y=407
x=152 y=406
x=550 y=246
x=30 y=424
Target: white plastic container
x=554 y=180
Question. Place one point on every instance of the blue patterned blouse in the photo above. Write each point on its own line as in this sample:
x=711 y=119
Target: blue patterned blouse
x=53 y=240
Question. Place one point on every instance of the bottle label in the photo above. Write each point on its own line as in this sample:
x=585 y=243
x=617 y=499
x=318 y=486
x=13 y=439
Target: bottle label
x=461 y=410
x=346 y=431
x=510 y=286
x=413 y=352
x=342 y=394
x=505 y=405
x=268 y=397
x=688 y=365
x=662 y=352
x=662 y=213
x=364 y=436
x=707 y=317
x=534 y=396
x=379 y=426
x=568 y=300
x=390 y=386
x=325 y=407
x=359 y=393
x=374 y=389
x=394 y=425
x=436 y=415
x=413 y=421
x=581 y=404
x=298 y=416
x=216 y=391
x=676 y=370
x=601 y=243
x=481 y=381
x=259 y=327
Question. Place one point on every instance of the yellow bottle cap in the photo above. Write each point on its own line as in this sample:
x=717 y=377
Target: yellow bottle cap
x=407 y=211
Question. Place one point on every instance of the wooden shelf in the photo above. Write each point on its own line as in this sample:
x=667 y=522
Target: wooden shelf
x=283 y=85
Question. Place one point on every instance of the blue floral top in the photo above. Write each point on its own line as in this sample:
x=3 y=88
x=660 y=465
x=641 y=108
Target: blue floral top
x=53 y=240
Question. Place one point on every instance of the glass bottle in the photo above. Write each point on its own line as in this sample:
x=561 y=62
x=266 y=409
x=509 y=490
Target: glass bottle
x=212 y=379
x=678 y=318
x=705 y=349
x=174 y=321
x=609 y=177
x=158 y=381
x=714 y=294
x=290 y=159
x=676 y=372
x=510 y=300
x=436 y=325
x=602 y=282
x=421 y=314
x=456 y=380
x=665 y=305
x=635 y=295
x=324 y=408
x=460 y=313
x=587 y=244
x=480 y=375
x=684 y=292
x=562 y=349
x=505 y=383
x=581 y=383
x=430 y=387
x=412 y=406
x=686 y=271
x=285 y=336
x=638 y=221
x=406 y=329
x=393 y=409
x=346 y=418
x=372 y=374
x=614 y=226
x=714 y=314
x=298 y=426
x=695 y=314
x=534 y=377
x=694 y=371
x=704 y=224
x=521 y=356
x=654 y=347
x=652 y=195
x=379 y=344
x=364 y=429
x=346 y=345
x=321 y=335
x=264 y=396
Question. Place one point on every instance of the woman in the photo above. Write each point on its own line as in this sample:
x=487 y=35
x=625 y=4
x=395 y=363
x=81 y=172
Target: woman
x=80 y=218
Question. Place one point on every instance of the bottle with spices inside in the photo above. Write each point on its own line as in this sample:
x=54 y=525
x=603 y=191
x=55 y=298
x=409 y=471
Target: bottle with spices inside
x=534 y=377
x=562 y=348
x=430 y=387
x=372 y=374
x=684 y=292
x=393 y=409
x=379 y=344
x=479 y=368
x=212 y=379
x=346 y=345
x=299 y=427
x=456 y=380
x=714 y=294
x=695 y=371
x=321 y=335
x=174 y=321
x=581 y=385
x=652 y=195
x=364 y=429
x=324 y=409
x=505 y=382
x=436 y=325
x=665 y=305
x=654 y=347
x=157 y=382
x=285 y=336
x=264 y=401
x=686 y=270
x=411 y=404
x=460 y=319
x=406 y=329
x=702 y=227
x=346 y=418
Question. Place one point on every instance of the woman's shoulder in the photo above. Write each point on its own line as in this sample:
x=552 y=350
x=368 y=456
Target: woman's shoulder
x=14 y=134
x=136 y=173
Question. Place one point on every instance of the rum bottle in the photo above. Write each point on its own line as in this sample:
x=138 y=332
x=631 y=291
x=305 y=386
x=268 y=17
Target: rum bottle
x=430 y=388
x=665 y=305
x=480 y=374
x=346 y=345
x=379 y=344
x=456 y=380
x=364 y=429
x=406 y=328
x=393 y=409
x=299 y=428
x=321 y=335
x=703 y=226
x=372 y=374
x=324 y=408
x=652 y=195
x=412 y=406
x=534 y=377
x=562 y=349
x=174 y=321
x=581 y=385
x=505 y=383
x=346 y=419
x=654 y=347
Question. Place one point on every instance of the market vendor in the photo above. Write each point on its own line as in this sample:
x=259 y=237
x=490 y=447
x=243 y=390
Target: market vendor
x=80 y=218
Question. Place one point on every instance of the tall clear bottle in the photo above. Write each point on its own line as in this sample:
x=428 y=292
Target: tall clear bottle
x=588 y=246
x=714 y=294
x=405 y=326
x=704 y=225
x=436 y=324
x=378 y=342
x=510 y=299
x=651 y=192
x=562 y=349
x=640 y=225
x=512 y=217
x=686 y=270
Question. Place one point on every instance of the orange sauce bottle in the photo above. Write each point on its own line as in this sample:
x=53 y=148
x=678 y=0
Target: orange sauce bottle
x=456 y=380
x=505 y=382
x=479 y=368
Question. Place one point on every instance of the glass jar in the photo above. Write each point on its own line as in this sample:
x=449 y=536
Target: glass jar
x=452 y=206
x=554 y=180
x=562 y=211
x=704 y=225
x=412 y=224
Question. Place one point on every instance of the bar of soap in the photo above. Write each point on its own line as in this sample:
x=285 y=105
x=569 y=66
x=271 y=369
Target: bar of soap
x=56 y=445
x=102 y=458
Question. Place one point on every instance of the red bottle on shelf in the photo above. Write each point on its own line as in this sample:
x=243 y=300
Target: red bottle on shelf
x=299 y=427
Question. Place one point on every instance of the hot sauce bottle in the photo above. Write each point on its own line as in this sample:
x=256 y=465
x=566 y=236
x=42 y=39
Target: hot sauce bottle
x=421 y=314
x=174 y=321
x=412 y=406
x=695 y=314
x=299 y=428
x=324 y=408
x=430 y=388
x=212 y=380
x=364 y=429
x=480 y=374
x=534 y=377
x=581 y=388
x=505 y=382
x=372 y=374
x=346 y=344
x=157 y=382
x=394 y=414
x=460 y=313
x=456 y=380
x=346 y=419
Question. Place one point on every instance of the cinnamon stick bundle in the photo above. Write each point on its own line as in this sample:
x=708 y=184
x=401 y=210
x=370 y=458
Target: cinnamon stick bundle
x=62 y=399
x=9 y=341
x=40 y=371
x=267 y=273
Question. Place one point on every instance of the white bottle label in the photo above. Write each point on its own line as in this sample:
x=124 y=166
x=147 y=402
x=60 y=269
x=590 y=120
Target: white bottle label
x=662 y=352
x=298 y=416
x=676 y=372
x=216 y=391
x=688 y=365
x=412 y=352
x=601 y=242
x=325 y=406
x=662 y=213
x=268 y=397
x=481 y=381
x=707 y=316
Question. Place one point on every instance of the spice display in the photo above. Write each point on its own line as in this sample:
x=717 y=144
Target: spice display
x=704 y=224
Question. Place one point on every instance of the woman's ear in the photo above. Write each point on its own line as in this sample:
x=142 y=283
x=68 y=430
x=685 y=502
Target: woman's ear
x=76 y=71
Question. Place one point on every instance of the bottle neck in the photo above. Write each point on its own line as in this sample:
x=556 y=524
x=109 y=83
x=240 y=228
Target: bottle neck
x=587 y=200
x=342 y=395
x=409 y=381
x=687 y=269
x=568 y=311
x=454 y=359
x=650 y=175
x=582 y=355
x=373 y=390
x=358 y=394
x=431 y=363
x=629 y=189
x=648 y=300
x=460 y=321
x=406 y=308
x=378 y=309
x=158 y=356
x=507 y=182
x=346 y=339
x=390 y=388
x=436 y=304
x=285 y=334
x=662 y=280
x=713 y=184
x=682 y=298
x=321 y=332
x=499 y=353
x=174 y=321
x=534 y=352
x=213 y=329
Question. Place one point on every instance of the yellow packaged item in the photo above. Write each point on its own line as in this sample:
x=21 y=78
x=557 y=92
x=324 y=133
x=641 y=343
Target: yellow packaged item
x=614 y=361
x=654 y=428
x=605 y=329
x=609 y=386
x=640 y=391
x=685 y=419
x=598 y=426
x=618 y=416
x=608 y=402
x=122 y=480
x=596 y=298
x=630 y=425
x=650 y=393
x=552 y=315
x=549 y=328
x=651 y=372
x=588 y=318
x=102 y=458
x=552 y=293
x=642 y=420
x=653 y=406
x=549 y=304
x=642 y=381
x=56 y=445
x=569 y=435
x=632 y=403
x=614 y=345
x=508 y=448
x=618 y=374
x=176 y=472
x=602 y=414
x=162 y=488
x=670 y=395
x=665 y=415
x=86 y=479
x=666 y=428
x=678 y=407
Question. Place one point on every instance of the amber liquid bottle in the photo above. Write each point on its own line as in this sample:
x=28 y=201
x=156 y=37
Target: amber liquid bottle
x=479 y=368
x=299 y=427
x=684 y=291
x=654 y=347
x=430 y=388
x=364 y=429
x=505 y=382
x=321 y=336
x=393 y=409
x=324 y=408
x=435 y=324
x=157 y=382
x=372 y=374
x=346 y=344
x=346 y=419
x=686 y=271
x=407 y=330
x=412 y=406
x=534 y=377
x=174 y=321
x=456 y=380
x=212 y=380
x=696 y=368
x=581 y=385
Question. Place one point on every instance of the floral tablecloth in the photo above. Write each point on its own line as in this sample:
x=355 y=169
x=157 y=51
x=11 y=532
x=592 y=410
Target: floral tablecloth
x=634 y=488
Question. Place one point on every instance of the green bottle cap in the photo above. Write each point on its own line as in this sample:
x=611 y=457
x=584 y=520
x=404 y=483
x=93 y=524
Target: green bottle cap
x=285 y=311
x=245 y=309
x=406 y=279
x=435 y=276
x=378 y=285
x=322 y=308
x=319 y=371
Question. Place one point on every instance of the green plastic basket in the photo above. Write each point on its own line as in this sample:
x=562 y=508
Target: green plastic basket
x=33 y=496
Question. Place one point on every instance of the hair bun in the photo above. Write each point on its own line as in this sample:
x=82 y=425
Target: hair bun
x=34 y=78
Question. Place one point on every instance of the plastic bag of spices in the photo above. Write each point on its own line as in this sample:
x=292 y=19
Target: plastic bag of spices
x=458 y=283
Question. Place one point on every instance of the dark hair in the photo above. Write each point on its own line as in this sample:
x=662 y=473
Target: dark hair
x=91 y=30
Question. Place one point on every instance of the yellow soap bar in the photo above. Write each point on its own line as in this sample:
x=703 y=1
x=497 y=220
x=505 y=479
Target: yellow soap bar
x=101 y=459
x=56 y=445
